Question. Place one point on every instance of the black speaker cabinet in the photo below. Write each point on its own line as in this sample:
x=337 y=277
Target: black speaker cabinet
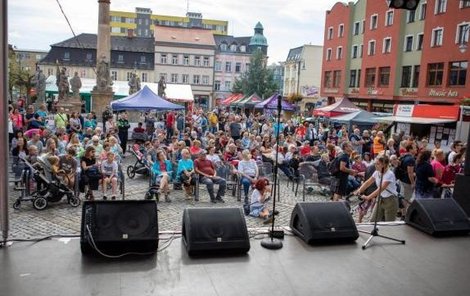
x=214 y=231
x=119 y=227
x=323 y=222
x=461 y=192
x=438 y=217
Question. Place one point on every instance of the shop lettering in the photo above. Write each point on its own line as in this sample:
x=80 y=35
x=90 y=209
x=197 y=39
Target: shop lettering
x=443 y=93
x=374 y=91
x=330 y=90
x=354 y=90
x=409 y=92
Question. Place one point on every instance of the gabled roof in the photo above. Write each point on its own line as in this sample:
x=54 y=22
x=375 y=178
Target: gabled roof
x=295 y=54
x=194 y=36
x=118 y=43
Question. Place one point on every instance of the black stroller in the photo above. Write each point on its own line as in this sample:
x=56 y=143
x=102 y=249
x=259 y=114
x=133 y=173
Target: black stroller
x=48 y=187
x=140 y=166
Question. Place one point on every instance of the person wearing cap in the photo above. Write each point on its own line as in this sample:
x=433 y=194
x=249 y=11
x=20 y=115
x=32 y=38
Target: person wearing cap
x=207 y=174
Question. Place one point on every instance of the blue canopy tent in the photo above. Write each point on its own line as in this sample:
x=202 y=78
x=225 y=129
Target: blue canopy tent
x=144 y=100
x=271 y=103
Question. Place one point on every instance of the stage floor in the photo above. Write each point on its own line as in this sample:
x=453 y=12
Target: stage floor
x=424 y=266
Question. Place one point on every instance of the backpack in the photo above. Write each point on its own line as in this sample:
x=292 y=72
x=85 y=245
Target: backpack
x=333 y=166
x=401 y=171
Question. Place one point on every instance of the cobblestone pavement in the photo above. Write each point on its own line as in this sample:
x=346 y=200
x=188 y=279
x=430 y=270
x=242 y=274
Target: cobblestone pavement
x=60 y=218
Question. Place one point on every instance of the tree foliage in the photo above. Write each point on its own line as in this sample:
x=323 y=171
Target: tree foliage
x=18 y=77
x=257 y=79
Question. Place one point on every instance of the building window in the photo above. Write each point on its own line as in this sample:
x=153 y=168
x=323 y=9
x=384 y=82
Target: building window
x=197 y=61
x=352 y=78
x=223 y=47
x=233 y=47
x=361 y=50
x=356 y=28
x=464 y=3
x=163 y=59
x=328 y=54
x=228 y=85
x=408 y=43
x=174 y=59
x=416 y=70
x=185 y=78
x=143 y=60
x=422 y=11
x=373 y=21
x=419 y=42
x=354 y=52
x=339 y=53
x=458 y=73
x=164 y=76
x=384 y=76
x=387 y=46
x=462 y=33
x=238 y=67
x=341 y=30
x=89 y=57
x=205 y=79
x=330 y=33
x=410 y=18
x=370 y=77
x=363 y=26
x=174 y=78
x=144 y=77
x=435 y=74
x=196 y=79
x=66 y=56
x=114 y=75
x=205 y=61
x=389 y=18
x=358 y=78
x=242 y=48
x=328 y=79
x=228 y=66
x=405 y=76
x=186 y=60
x=218 y=66
x=440 y=7
x=437 y=36
x=217 y=85
x=120 y=59
x=371 y=50
x=129 y=75
x=336 y=78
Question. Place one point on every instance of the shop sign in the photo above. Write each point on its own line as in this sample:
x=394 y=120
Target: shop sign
x=443 y=93
x=354 y=91
x=330 y=90
x=404 y=110
x=374 y=91
x=409 y=92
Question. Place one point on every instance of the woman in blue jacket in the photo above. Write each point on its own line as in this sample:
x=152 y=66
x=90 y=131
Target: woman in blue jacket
x=162 y=170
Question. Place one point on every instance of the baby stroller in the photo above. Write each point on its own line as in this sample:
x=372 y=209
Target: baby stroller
x=48 y=187
x=154 y=188
x=140 y=166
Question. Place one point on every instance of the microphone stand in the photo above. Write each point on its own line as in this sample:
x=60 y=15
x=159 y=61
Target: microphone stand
x=271 y=242
x=375 y=230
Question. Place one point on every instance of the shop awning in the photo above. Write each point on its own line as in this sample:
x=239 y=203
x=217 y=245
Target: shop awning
x=418 y=120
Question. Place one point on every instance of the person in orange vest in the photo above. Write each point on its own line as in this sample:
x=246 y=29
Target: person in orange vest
x=379 y=143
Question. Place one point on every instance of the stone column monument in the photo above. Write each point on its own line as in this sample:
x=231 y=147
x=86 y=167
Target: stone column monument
x=102 y=93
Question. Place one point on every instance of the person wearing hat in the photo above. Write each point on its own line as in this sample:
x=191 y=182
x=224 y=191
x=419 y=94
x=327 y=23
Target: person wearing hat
x=207 y=174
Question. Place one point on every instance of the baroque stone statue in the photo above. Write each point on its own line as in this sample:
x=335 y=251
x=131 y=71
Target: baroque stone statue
x=162 y=87
x=62 y=83
x=134 y=84
x=103 y=79
x=39 y=82
x=76 y=84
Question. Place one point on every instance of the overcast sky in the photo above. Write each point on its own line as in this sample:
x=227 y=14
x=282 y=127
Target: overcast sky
x=36 y=24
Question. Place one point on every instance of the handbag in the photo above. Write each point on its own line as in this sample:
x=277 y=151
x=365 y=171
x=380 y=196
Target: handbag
x=93 y=173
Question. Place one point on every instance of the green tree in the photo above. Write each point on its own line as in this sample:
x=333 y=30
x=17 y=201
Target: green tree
x=18 y=77
x=258 y=79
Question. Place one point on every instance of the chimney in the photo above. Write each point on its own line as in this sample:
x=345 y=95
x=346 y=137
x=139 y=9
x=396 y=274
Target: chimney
x=130 y=33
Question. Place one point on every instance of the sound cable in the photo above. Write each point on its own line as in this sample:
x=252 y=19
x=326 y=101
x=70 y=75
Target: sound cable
x=40 y=239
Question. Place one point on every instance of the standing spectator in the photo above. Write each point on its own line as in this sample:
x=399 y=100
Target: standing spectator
x=235 y=128
x=180 y=123
x=357 y=141
x=17 y=120
x=379 y=143
x=213 y=122
x=123 y=131
x=61 y=119
x=170 y=124
x=29 y=117
x=344 y=172
x=425 y=177
x=366 y=147
x=456 y=147
x=105 y=117
x=405 y=173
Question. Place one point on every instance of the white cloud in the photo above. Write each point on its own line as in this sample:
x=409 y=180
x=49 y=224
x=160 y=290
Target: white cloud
x=36 y=24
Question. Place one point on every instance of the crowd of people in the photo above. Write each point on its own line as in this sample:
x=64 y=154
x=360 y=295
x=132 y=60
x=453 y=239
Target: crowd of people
x=181 y=148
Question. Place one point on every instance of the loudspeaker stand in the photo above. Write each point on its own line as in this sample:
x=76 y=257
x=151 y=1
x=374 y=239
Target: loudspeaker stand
x=374 y=233
x=271 y=243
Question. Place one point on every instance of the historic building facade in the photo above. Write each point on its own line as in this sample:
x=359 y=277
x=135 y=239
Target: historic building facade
x=378 y=56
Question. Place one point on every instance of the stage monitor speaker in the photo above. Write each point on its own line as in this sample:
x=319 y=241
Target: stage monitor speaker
x=323 y=222
x=214 y=231
x=461 y=190
x=119 y=227
x=438 y=217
